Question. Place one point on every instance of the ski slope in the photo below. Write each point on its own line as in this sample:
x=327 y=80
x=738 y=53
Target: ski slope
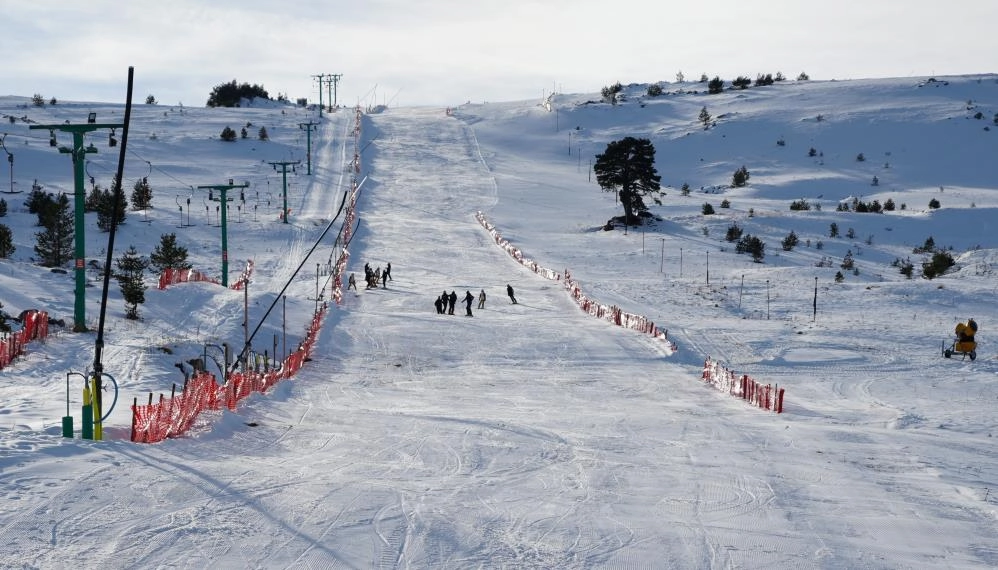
x=529 y=435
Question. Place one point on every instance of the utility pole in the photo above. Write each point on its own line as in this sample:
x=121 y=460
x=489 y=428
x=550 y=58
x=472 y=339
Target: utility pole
x=308 y=127
x=223 y=199
x=319 y=77
x=78 y=153
x=284 y=176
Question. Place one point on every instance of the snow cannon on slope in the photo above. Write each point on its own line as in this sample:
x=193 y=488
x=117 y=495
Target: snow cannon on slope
x=964 y=344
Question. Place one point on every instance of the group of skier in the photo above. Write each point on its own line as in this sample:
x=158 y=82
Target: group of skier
x=445 y=301
x=372 y=277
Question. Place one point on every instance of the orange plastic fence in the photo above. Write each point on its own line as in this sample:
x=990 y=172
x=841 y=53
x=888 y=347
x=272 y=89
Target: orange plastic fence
x=35 y=327
x=609 y=313
x=171 y=276
x=174 y=416
x=154 y=422
x=765 y=396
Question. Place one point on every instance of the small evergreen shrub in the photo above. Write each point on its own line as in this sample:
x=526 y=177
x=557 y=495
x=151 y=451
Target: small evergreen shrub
x=940 y=262
x=740 y=177
x=734 y=233
x=790 y=241
x=847 y=261
x=753 y=246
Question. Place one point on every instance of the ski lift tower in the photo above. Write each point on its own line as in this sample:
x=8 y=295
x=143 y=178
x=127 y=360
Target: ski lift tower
x=78 y=153
x=223 y=200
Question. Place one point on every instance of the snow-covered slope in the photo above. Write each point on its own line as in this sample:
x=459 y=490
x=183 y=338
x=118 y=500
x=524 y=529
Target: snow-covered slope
x=531 y=435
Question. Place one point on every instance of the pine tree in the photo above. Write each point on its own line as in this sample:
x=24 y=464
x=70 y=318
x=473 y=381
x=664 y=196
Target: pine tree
x=54 y=244
x=790 y=242
x=131 y=270
x=37 y=198
x=92 y=202
x=3 y=207
x=704 y=118
x=106 y=210
x=141 y=195
x=264 y=136
x=753 y=246
x=847 y=261
x=628 y=167
x=169 y=254
x=6 y=242
x=740 y=177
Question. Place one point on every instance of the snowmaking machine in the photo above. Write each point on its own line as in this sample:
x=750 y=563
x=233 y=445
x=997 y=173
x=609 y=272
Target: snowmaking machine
x=964 y=344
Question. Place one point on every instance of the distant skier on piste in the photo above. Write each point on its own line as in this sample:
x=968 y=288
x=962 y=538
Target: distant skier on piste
x=509 y=291
x=468 y=299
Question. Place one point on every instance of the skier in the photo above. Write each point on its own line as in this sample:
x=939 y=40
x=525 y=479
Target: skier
x=468 y=298
x=388 y=271
x=384 y=280
x=451 y=301
x=481 y=299
x=439 y=304
x=509 y=291
x=353 y=282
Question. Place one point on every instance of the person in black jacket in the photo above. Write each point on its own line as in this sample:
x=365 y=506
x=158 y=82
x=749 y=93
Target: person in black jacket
x=468 y=298
x=509 y=291
x=451 y=301
x=439 y=304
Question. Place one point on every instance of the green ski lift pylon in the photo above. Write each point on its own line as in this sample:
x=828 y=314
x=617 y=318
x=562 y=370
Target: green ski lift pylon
x=78 y=154
x=223 y=201
x=284 y=178
x=309 y=127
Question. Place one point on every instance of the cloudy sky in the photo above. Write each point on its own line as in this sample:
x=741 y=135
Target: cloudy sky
x=444 y=52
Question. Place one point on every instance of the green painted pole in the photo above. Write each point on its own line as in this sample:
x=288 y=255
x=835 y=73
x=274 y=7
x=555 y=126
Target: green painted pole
x=79 y=200
x=88 y=413
x=308 y=127
x=284 y=185
x=223 y=205
x=284 y=178
x=79 y=153
x=225 y=238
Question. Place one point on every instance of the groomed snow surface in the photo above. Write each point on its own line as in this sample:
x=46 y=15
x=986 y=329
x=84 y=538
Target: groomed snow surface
x=532 y=435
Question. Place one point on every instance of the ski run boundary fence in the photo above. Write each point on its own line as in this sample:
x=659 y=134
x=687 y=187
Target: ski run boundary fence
x=157 y=420
x=764 y=396
x=171 y=276
x=168 y=417
x=35 y=327
x=609 y=313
